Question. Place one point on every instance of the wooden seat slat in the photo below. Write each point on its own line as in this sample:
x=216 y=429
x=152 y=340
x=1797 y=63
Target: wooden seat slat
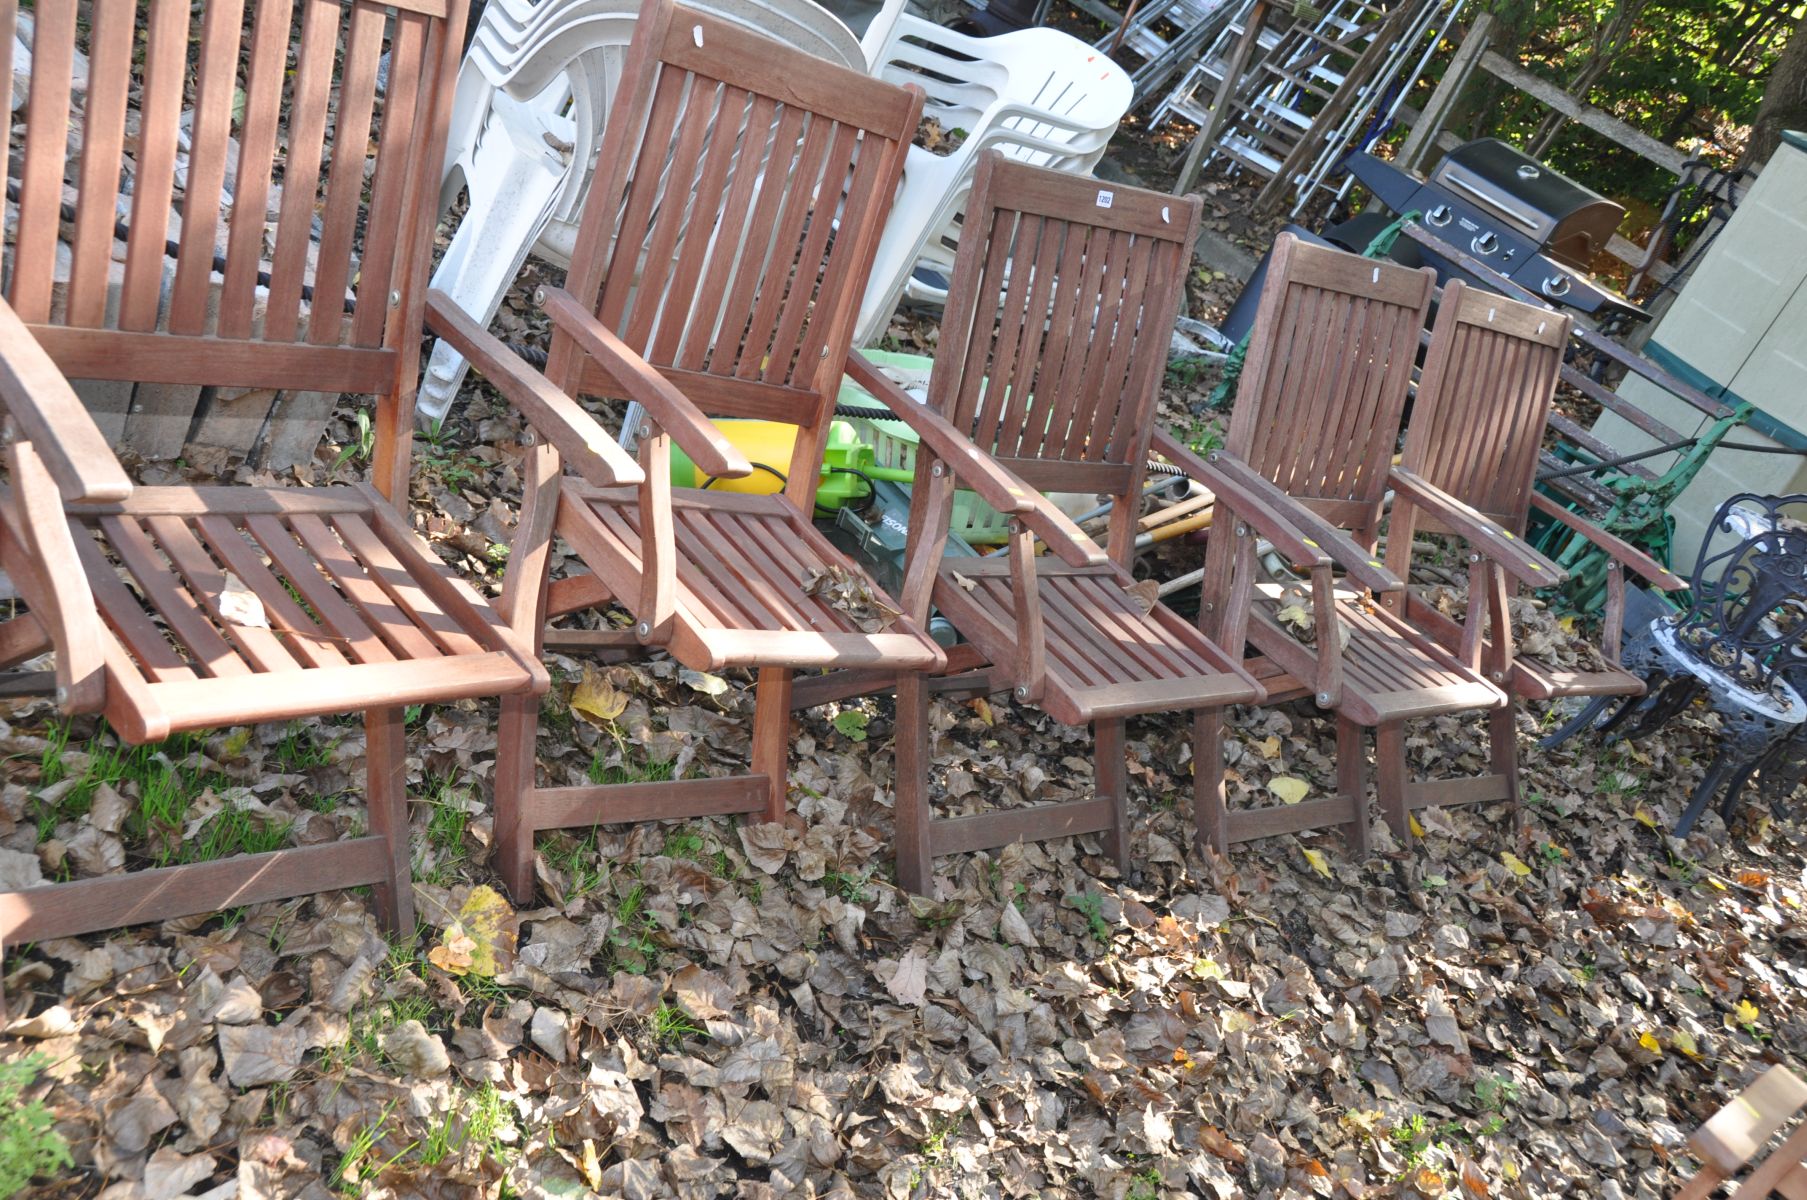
x=169 y=600
x=735 y=550
x=378 y=609
x=125 y=614
x=207 y=583
x=300 y=570
x=301 y=634
x=405 y=587
x=783 y=560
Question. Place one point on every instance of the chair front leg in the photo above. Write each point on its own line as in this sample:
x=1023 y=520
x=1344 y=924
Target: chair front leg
x=1612 y=629
x=44 y=563
x=658 y=543
x=1031 y=667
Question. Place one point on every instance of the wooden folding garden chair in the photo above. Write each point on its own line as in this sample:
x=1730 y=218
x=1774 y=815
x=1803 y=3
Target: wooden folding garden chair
x=1050 y=360
x=718 y=269
x=1469 y=470
x=183 y=608
x=1311 y=439
x=1731 y=1144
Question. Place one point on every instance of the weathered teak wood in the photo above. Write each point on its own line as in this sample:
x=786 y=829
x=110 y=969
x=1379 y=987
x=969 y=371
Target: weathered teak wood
x=717 y=272
x=150 y=597
x=1469 y=470
x=1050 y=361
x=1734 y=1139
x=1309 y=446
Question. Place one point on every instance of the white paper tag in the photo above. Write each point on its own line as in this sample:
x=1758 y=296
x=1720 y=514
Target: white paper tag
x=1105 y=197
x=696 y=32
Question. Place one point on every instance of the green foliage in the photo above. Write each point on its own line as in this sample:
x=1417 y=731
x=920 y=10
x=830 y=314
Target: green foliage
x=1689 y=73
x=852 y=724
x=1090 y=905
x=29 y=1147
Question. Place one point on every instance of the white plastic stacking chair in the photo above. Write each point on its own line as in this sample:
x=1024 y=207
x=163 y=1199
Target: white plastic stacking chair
x=1038 y=95
x=533 y=95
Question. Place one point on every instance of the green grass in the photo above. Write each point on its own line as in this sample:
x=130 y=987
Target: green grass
x=167 y=779
x=30 y=1147
x=686 y=841
x=601 y=772
x=849 y=885
x=671 y=1025
x=447 y=826
x=297 y=751
x=1091 y=906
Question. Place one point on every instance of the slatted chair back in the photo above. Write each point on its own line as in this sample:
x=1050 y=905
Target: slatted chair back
x=1054 y=340
x=219 y=239
x=1326 y=377
x=1483 y=399
x=729 y=230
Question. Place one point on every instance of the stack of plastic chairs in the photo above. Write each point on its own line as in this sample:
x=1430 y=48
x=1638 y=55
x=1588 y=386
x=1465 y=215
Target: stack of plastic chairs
x=533 y=95
x=1038 y=95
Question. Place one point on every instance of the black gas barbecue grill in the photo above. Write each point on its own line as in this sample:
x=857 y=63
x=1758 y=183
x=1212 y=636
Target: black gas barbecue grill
x=1494 y=204
x=1488 y=200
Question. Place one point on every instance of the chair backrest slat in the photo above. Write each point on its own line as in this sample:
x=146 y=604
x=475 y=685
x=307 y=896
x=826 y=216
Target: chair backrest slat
x=1488 y=383
x=217 y=78
x=1063 y=298
x=194 y=119
x=740 y=190
x=1326 y=378
x=103 y=137
x=41 y=177
x=268 y=62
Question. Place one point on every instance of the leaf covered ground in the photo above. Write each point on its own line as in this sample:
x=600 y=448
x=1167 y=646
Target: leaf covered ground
x=708 y=1008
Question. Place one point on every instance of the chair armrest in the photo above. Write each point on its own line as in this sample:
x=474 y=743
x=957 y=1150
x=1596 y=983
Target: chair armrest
x=993 y=482
x=1628 y=555
x=1483 y=535
x=1305 y=538
x=562 y=421
x=50 y=575
x=639 y=380
x=49 y=415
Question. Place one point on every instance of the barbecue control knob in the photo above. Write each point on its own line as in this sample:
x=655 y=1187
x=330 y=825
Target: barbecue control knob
x=1556 y=286
x=1486 y=243
x=1439 y=215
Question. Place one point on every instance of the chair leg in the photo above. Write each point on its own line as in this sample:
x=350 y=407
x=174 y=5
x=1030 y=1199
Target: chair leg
x=1111 y=777
x=1390 y=777
x=386 y=797
x=911 y=754
x=772 y=738
x=517 y=738
x=1210 y=808
x=1352 y=781
x=1502 y=737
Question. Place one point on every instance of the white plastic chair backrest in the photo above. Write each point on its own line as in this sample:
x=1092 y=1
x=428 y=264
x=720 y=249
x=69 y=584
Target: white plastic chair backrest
x=1032 y=70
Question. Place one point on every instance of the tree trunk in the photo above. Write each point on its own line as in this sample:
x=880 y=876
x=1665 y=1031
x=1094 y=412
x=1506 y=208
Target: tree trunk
x=1784 y=103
